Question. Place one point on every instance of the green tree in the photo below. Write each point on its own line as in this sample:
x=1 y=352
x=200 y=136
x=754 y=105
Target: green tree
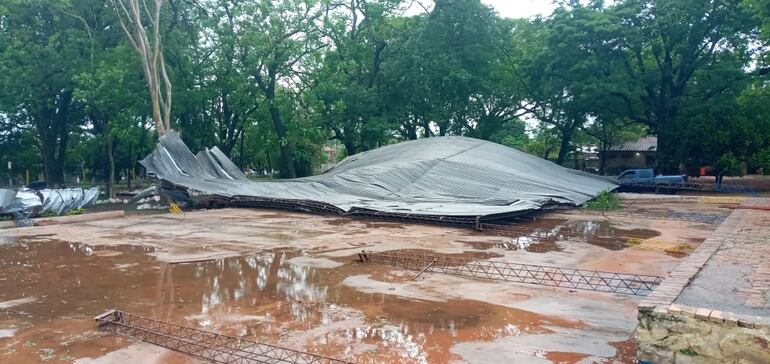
x=663 y=44
x=141 y=24
x=350 y=83
x=283 y=46
x=41 y=50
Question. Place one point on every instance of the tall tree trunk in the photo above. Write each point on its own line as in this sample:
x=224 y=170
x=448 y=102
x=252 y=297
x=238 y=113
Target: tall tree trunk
x=240 y=154
x=111 y=158
x=426 y=128
x=52 y=125
x=666 y=153
x=150 y=51
x=287 y=146
x=566 y=138
x=348 y=139
x=411 y=129
x=603 y=157
x=130 y=171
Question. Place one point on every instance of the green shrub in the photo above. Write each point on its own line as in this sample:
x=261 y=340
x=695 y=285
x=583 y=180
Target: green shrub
x=762 y=160
x=75 y=212
x=605 y=201
x=728 y=165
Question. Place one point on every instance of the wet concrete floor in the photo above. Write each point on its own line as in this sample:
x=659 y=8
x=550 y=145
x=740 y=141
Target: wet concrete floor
x=301 y=290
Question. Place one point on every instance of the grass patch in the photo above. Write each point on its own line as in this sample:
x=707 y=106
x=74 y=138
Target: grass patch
x=605 y=201
x=68 y=213
x=688 y=352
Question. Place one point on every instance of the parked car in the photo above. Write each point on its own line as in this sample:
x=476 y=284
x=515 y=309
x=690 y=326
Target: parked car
x=646 y=180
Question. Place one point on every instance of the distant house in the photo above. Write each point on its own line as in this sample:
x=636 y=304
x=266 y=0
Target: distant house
x=639 y=153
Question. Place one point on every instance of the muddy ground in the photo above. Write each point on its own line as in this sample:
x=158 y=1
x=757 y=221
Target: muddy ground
x=290 y=279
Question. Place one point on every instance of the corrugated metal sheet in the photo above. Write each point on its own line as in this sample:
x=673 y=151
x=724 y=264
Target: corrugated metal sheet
x=447 y=176
x=56 y=201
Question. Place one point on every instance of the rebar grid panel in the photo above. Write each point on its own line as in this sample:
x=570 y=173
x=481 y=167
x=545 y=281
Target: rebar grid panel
x=206 y=345
x=592 y=280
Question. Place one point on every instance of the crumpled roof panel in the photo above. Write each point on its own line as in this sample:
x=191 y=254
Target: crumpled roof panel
x=444 y=176
x=56 y=201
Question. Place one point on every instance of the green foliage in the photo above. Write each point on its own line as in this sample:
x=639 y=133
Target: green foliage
x=271 y=83
x=605 y=201
x=75 y=212
x=762 y=160
x=728 y=165
x=511 y=134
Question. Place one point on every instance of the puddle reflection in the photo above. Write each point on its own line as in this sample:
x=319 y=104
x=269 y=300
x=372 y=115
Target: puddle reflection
x=267 y=297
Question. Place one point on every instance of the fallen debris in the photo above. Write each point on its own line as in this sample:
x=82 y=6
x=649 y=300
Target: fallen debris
x=206 y=345
x=436 y=178
x=25 y=203
x=592 y=280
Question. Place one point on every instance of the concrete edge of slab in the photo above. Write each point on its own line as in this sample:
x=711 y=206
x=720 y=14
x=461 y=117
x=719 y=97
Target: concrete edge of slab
x=669 y=332
x=668 y=291
x=727 y=319
x=68 y=219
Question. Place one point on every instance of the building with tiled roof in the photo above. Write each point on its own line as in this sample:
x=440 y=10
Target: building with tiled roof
x=644 y=144
x=633 y=154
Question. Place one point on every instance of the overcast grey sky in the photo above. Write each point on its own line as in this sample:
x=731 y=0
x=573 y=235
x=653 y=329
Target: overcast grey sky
x=506 y=8
x=521 y=8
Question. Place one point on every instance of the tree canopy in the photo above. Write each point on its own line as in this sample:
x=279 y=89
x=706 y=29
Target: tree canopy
x=286 y=85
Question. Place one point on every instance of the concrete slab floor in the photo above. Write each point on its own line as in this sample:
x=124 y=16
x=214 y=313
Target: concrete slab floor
x=737 y=277
x=288 y=279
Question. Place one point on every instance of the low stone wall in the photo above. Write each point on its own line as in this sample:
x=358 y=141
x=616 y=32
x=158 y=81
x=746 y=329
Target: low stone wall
x=683 y=334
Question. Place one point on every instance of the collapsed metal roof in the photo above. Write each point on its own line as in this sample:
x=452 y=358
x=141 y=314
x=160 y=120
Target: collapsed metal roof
x=56 y=201
x=445 y=177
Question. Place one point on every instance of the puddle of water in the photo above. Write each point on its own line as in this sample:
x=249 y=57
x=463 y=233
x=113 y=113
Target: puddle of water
x=368 y=224
x=261 y=297
x=4 y=239
x=545 y=235
x=7 y=333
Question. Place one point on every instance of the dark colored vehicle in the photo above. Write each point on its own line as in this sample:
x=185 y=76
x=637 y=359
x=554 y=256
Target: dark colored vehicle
x=38 y=185
x=645 y=180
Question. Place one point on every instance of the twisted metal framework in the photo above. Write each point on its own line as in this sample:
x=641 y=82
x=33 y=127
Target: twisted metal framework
x=592 y=280
x=206 y=345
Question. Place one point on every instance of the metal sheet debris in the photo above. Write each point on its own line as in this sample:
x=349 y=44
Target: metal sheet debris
x=54 y=201
x=452 y=176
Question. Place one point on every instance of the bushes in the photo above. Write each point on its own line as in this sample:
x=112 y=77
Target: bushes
x=762 y=160
x=605 y=201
